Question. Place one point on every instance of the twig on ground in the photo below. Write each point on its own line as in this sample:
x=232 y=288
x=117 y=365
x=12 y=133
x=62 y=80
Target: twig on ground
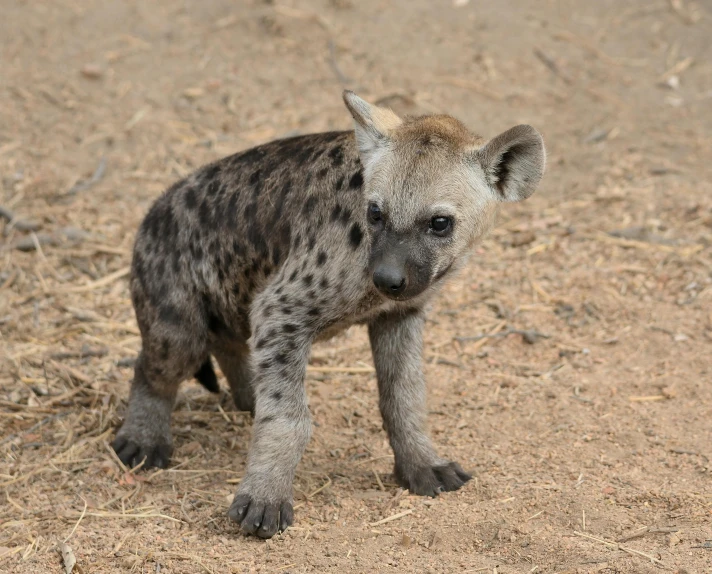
x=617 y=546
x=391 y=518
x=96 y=177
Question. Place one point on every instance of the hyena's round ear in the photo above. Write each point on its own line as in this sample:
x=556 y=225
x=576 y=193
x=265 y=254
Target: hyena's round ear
x=513 y=162
x=372 y=125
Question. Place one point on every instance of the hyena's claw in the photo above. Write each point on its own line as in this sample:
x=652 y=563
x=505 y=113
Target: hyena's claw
x=131 y=453
x=260 y=518
x=433 y=480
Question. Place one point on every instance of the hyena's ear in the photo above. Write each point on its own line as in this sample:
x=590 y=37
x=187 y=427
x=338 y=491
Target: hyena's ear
x=513 y=162
x=372 y=125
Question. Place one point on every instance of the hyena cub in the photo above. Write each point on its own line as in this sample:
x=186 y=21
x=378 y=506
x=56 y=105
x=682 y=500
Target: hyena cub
x=252 y=258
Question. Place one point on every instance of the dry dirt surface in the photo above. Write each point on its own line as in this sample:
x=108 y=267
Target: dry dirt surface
x=569 y=366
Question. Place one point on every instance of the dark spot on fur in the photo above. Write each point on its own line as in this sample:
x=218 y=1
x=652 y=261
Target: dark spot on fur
x=191 y=201
x=283 y=299
x=290 y=328
x=309 y=205
x=356 y=180
x=312 y=243
x=321 y=258
x=230 y=213
x=169 y=314
x=281 y=358
x=213 y=188
x=196 y=252
x=260 y=343
x=250 y=212
x=355 y=235
x=257 y=240
x=276 y=255
x=337 y=155
x=286 y=310
x=339 y=183
x=321 y=174
x=255 y=177
x=324 y=283
x=293 y=276
x=281 y=200
x=313 y=312
x=307 y=280
x=217 y=325
x=265 y=364
x=277 y=396
x=336 y=212
x=204 y=214
x=211 y=172
x=346 y=216
x=285 y=235
x=267 y=419
x=152 y=222
x=304 y=154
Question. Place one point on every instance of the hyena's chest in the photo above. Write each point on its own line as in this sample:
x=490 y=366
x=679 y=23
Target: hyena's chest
x=359 y=313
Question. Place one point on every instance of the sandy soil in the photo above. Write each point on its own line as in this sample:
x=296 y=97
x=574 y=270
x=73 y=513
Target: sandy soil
x=590 y=445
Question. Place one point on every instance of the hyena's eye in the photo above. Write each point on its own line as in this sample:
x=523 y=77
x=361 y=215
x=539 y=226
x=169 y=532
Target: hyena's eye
x=441 y=226
x=374 y=213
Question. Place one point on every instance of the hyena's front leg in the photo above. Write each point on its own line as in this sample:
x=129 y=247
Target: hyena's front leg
x=282 y=426
x=397 y=344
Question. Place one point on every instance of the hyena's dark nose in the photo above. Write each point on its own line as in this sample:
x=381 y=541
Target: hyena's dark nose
x=389 y=280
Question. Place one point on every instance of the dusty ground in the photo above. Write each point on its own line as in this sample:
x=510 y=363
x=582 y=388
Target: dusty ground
x=591 y=447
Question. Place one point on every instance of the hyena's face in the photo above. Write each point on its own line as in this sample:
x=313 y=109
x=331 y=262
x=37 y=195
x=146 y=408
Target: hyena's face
x=432 y=191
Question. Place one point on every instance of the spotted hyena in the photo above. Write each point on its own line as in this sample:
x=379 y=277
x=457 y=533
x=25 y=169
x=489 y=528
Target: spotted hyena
x=254 y=257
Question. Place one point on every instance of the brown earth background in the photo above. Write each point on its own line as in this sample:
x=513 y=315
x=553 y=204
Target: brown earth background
x=585 y=413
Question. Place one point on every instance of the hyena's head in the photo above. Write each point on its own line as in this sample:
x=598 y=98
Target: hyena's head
x=432 y=190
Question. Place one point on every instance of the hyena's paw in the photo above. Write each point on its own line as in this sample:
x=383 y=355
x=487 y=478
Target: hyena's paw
x=432 y=480
x=261 y=518
x=131 y=451
x=244 y=400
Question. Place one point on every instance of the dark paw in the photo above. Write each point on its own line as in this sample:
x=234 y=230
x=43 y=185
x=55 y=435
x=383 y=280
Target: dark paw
x=260 y=518
x=132 y=453
x=244 y=401
x=432 y=480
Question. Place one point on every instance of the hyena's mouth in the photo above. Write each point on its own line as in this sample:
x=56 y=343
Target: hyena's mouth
x=441 y=274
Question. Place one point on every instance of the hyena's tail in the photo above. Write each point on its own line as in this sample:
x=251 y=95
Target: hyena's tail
x=206 y=376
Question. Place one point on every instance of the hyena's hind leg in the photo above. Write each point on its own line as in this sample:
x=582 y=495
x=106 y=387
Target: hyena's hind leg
x=173 y=350
x=233 y=356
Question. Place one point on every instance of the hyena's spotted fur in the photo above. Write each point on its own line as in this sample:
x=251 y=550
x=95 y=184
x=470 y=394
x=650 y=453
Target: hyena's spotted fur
x=254 y=257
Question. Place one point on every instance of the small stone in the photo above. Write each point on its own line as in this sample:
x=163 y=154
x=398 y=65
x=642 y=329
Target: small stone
x=74 y=233
x=673 y=539
x=522 y=238
x=193 y=93
x=92 y=71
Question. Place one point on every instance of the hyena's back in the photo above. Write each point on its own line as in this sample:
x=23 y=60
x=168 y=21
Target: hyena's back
x=212 y=240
